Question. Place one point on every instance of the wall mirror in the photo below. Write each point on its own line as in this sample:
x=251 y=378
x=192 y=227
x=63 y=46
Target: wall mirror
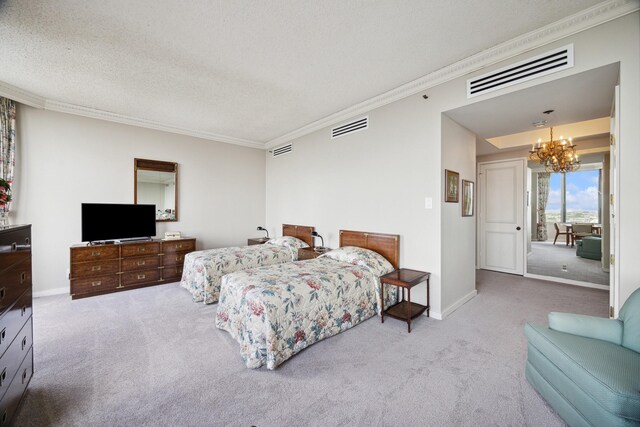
x=156 y=183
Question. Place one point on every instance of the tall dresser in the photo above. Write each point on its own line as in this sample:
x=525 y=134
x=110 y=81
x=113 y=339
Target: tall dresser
x=16 y=328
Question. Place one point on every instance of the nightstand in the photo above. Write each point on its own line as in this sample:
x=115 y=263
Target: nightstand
x=406 y=279
x=310 y=253
x=257 y=241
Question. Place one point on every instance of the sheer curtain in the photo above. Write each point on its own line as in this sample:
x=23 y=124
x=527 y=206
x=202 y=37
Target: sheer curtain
x=543 y=196
x=7 y=149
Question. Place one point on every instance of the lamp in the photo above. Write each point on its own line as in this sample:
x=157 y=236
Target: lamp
x=556 y=156
x=318 y=248
x=264 y=229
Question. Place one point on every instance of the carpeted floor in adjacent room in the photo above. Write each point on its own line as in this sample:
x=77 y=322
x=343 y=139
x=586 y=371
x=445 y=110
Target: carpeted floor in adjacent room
x=153 y=357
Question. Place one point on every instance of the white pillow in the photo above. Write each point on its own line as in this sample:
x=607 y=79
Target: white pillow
x=369 y=259
x=288 y=241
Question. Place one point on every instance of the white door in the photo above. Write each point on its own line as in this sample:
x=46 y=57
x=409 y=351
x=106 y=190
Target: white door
x=614 y=299
x=502 y=216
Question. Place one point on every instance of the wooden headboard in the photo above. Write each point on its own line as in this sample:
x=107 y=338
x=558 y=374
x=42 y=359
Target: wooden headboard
x=302 y=232
x=387 y=245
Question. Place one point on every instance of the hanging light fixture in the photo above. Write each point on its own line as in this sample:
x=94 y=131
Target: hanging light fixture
x=556 y=156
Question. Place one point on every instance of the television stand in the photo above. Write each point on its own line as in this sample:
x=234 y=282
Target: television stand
x=106 y=268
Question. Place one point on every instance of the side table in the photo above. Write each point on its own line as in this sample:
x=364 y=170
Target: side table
x=311 y=253
x=406 y=279
x=257 y=241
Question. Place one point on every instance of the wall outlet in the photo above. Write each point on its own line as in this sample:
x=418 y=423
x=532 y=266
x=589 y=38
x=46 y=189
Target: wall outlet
x=564 y=267
x=428 y=203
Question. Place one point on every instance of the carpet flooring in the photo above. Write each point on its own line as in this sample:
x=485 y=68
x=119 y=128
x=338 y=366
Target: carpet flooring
x=151 y=357
x=547 y=259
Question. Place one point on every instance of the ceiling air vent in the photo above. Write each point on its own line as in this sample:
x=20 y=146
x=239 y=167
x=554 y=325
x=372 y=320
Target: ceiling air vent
x=284 y=149
x=354 y=126
x=532 y=68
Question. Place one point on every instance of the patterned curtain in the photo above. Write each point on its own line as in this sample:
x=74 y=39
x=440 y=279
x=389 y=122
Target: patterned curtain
x=543 y=196
x=7 y=145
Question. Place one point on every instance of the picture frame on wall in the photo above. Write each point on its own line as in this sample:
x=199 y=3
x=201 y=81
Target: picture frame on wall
x=451 y=186
x=467 y=197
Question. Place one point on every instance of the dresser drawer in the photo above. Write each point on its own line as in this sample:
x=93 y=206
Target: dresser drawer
x=11 y=399
x=94 y=284
x=14 y=319
x=13 y=282
x=140 y=277
x=172 y=272
x=138 y=249
x=174 y=259
x=94 y=269
x=140 y=263
x=11 y=359
x=16 y=240
x=93 y=253
x=178 y=245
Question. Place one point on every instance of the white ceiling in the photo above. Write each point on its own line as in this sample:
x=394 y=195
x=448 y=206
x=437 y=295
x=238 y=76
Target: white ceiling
x=246 y=69
x=577 y=98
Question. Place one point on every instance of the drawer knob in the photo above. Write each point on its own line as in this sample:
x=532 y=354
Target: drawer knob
x=142 y=249
x=23 y=277
x=96 y=268
x=14 y=246
x=98 y=253
x=3 y=334
x=27 y=241
x=24 y=343
x=180 y=246
x=3 y=292
x=142 y=262
x=179 y=258
x=141 y=276
x=24 y=375
x=23 y=310
x=3 y=376
x=96 y=283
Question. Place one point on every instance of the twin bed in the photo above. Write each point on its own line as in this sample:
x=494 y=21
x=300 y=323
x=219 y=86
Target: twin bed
x=203 y=270
x=276 y=311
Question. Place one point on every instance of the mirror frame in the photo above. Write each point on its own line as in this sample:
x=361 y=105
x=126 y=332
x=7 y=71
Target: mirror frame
x=159 y=166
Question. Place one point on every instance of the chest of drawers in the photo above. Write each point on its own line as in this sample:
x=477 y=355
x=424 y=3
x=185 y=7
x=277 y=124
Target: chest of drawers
x=16 y=328
x=103 y=269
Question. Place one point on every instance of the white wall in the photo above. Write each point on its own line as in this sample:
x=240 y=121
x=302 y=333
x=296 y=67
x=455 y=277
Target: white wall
x=65 y=160
x=459 y=233
x=377 y=179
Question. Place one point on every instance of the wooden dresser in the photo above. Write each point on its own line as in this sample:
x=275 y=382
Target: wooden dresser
x=102 y=269
x=16 y=328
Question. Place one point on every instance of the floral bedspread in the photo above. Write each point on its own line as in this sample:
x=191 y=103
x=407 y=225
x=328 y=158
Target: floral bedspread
x=274 y=312
x=203 y=270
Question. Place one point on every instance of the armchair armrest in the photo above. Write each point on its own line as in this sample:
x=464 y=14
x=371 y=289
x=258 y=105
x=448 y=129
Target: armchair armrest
x=587 y=326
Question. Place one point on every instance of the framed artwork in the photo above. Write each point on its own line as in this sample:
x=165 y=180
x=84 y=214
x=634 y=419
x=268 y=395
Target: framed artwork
x=451 y=182
x=467 y=198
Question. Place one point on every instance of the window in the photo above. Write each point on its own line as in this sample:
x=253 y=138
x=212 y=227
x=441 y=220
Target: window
x=575 y=197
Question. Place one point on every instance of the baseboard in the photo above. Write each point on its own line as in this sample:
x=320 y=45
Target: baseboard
x=567 y=281
x=453 y=307
x=50 y=292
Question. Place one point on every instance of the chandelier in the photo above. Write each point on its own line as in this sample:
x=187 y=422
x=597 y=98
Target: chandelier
x=556 y=156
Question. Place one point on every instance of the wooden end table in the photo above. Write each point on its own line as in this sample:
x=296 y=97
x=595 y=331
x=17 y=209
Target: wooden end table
x=257 y=241
x=406 y=279
x=310 y=253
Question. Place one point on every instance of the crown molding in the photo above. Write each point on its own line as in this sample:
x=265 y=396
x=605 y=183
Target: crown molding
x=581 y=21
x=144 y=123
x=21 y=96
x=28 y=98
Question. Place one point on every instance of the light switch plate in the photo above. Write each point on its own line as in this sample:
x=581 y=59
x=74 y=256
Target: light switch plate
x=428 y=203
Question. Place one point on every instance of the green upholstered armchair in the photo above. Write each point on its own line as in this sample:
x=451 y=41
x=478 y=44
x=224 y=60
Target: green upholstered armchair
x=588 y=368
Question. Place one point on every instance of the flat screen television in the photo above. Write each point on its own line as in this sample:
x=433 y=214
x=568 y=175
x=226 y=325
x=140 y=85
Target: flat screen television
x=109 y=221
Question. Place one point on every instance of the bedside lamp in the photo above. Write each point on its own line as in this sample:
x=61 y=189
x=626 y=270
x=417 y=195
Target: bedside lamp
x=318 y=248
x=264 y=229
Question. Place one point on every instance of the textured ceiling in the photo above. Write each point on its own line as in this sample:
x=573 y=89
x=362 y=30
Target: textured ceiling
x=246 y=69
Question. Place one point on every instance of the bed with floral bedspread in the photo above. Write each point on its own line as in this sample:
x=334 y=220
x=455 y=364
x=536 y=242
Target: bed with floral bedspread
x=203 y=270
x=275 y=312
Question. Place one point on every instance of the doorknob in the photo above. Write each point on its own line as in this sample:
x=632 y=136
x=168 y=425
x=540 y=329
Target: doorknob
x=518 y=228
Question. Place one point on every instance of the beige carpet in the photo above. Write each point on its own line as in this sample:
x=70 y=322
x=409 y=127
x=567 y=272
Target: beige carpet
x=151 y=357
x=547 y=259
